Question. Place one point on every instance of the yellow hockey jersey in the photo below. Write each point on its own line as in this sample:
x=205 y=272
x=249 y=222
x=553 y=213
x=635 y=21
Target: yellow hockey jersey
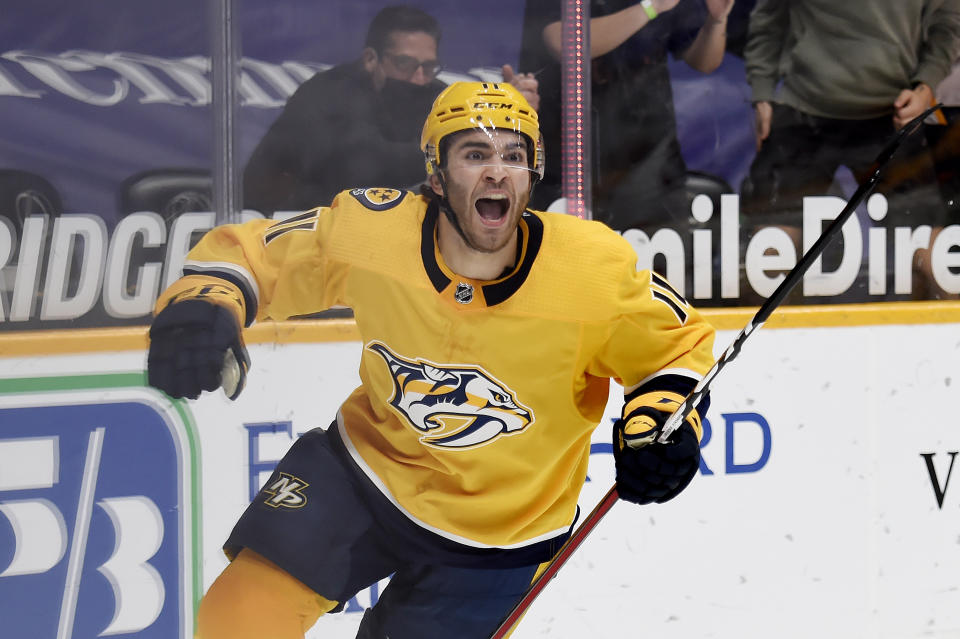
x=478 y=398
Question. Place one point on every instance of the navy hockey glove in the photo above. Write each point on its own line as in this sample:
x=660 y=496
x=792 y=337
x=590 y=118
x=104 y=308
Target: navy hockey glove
x=648 y=471
x=190 y=341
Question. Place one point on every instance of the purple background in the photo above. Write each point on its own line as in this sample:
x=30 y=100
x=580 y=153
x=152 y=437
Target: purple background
x=86 y=151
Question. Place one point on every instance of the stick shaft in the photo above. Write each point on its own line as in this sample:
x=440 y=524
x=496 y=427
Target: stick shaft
x=554 y=567
x=693 y=399
x=794 y=276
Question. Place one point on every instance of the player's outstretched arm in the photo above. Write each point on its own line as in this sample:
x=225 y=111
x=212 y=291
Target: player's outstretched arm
x=647 y=470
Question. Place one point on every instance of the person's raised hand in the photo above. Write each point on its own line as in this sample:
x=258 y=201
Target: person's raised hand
x=525 y=83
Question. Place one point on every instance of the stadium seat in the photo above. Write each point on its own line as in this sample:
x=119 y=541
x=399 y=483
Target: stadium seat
x=23 y=194
x=168 y=191
x=700 y=182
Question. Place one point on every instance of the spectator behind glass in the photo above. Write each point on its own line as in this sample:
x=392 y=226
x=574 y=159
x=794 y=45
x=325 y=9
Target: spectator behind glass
x=639 y=172
x=358 y=123
x=815 y=114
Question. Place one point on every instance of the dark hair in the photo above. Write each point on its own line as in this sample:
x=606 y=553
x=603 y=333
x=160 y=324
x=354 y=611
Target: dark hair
x=399 y=18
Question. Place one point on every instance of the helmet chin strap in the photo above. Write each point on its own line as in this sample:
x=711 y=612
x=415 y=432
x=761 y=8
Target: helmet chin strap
x=447 y=208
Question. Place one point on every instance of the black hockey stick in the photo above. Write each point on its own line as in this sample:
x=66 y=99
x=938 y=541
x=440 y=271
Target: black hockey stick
x=693 y=399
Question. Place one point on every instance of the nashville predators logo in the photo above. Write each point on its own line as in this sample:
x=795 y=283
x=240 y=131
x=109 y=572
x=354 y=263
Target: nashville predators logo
x=378 y=199
x=452 y=406
x=285 y=490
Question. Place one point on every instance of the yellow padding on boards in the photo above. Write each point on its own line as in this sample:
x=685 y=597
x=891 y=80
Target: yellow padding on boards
x=15 y=343
x=253 y=598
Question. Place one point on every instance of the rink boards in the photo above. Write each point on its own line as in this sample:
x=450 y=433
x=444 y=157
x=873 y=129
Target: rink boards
x=827 y=503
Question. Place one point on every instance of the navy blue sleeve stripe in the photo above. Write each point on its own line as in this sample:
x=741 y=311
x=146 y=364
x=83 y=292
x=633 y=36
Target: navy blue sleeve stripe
x=249 y=299
x=661 y=282
x=275 y=233
x=666 y=299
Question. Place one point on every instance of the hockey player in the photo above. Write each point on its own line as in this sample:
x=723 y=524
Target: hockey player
x=490 y=333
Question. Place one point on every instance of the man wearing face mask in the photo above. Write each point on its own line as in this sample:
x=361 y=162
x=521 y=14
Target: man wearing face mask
x=358 y=123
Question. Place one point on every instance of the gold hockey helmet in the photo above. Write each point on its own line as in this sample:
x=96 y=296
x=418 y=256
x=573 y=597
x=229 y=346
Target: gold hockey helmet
x=487 y=106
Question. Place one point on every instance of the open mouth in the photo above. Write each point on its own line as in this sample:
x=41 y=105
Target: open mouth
x=493 y=209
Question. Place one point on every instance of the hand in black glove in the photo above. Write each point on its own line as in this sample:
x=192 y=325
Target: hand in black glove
x=649 y=471
x=189 y=344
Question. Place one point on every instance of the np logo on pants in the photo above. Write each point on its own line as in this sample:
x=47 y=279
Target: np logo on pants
x=287 y=491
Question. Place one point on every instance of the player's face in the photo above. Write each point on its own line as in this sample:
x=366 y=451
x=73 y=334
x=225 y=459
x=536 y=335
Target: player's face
x=488 y=186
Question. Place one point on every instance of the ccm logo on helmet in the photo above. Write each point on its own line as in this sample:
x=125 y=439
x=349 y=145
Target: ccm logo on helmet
x=492 y=105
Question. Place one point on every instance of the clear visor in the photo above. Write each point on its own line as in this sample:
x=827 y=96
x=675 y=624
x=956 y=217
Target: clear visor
x=490 y=148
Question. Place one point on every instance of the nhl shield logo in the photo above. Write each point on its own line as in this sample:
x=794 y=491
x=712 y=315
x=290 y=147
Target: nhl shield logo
x=464 y=293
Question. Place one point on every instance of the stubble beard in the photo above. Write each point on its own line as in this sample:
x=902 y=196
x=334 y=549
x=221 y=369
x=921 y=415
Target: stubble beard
x=488 y=240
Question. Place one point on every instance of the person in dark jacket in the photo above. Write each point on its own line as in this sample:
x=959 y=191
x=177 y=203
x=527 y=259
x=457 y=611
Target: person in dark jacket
x=638 y=171
x=357 y=123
